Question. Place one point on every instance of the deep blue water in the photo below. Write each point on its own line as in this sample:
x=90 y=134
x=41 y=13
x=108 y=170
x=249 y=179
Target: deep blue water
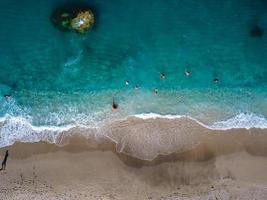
x=60 y=78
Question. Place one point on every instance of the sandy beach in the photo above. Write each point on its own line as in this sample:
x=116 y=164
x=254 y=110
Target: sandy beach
x=133 y=100
x=216 y=168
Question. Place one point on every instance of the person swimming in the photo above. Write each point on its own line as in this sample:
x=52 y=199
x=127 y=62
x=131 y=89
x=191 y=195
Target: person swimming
x=216 y=80
x=7 y=96
x=4 y=161
x=137 y=87
x=126 y=82
x=187 y=72
x=115 y=105
x=162 y=75
x=155 y=91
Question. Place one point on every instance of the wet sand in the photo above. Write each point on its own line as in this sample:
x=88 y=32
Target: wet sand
x=84 y=169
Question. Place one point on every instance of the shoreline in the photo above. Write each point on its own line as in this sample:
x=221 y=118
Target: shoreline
x=210 y=143
x=140 y=159
x=15 y=129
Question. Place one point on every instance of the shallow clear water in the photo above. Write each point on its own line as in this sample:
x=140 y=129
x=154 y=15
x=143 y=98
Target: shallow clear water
x=61 y=78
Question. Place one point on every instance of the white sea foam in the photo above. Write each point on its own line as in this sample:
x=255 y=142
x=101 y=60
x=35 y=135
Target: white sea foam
x=155 y=116
x=14 y=129
x=242 y=120
x=158 y=116
x=74 y=60
x=19 y=129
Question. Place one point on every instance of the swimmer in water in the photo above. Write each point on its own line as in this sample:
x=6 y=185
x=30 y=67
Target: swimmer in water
x=7 y=96
x=162 y=75
x=114 y=105
x=137 y=87
x=126 y=82
x=216 y=80
x=156 y=91
x=187 y=72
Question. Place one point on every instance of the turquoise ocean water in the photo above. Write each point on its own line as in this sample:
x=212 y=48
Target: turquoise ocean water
x=58 y=79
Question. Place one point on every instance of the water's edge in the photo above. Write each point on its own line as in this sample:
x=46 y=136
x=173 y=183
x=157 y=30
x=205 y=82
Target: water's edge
x=145 y=136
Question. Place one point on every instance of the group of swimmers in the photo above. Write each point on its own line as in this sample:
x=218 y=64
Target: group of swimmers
x=155 y=91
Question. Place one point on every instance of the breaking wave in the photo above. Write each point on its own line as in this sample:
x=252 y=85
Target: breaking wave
x=242 y=120
x=144 y=136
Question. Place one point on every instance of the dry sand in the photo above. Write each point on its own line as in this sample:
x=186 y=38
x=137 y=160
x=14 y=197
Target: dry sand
x=78 y=171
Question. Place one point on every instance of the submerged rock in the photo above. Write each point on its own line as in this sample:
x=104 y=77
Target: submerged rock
x=256 y=31
x=78 y=19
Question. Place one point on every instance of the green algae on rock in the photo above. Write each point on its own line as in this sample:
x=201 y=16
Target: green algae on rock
x=79 y=20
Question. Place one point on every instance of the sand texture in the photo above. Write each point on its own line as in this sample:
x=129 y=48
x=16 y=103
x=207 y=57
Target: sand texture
x=80 y=171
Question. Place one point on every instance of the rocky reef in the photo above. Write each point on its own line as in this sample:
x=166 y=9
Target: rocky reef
x=73 y=19
x=256 y=31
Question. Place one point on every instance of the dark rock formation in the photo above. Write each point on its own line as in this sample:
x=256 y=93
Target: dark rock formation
x=256 y=31
x=75 y=19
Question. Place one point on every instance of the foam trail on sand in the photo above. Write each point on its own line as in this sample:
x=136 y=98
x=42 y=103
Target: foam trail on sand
x=143 y=136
